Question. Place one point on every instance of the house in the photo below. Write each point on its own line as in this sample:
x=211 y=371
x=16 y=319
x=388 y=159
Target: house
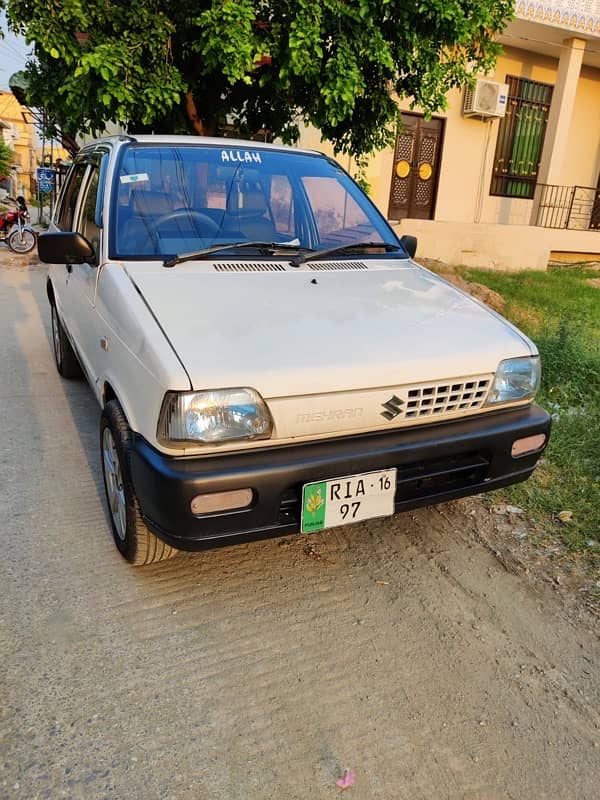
x=509 y=175
x=17 y=132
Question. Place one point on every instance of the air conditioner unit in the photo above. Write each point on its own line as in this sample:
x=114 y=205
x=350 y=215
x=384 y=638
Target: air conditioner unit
x=486 y=99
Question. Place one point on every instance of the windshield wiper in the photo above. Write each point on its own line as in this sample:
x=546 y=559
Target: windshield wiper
x=268 y=248
x=295 y=262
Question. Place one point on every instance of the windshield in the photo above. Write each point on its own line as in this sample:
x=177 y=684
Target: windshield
x=172 y=199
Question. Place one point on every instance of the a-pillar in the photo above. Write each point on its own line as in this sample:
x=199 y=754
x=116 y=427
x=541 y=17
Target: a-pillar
x=560 y=116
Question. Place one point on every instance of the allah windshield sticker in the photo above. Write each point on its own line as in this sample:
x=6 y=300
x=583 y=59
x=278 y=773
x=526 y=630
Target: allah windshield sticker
x=139 y=178
x=244 y=156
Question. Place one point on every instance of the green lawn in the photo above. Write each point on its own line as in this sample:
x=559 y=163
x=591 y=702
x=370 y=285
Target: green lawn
x=560 y=311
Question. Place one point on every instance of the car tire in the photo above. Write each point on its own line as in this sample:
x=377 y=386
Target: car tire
x=65 y=359
x=133 y=539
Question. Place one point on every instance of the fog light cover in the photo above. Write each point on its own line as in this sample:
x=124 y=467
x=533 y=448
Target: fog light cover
x=217 y=502
x=528 y=445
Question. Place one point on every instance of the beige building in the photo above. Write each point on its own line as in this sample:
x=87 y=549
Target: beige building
x=18 y=133
x=509 y=175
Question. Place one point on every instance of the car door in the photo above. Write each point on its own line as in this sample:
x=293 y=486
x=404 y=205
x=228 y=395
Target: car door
x=64 y=216
x=78 y=292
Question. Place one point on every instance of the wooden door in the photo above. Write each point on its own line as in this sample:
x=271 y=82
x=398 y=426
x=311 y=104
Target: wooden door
x=417 y=158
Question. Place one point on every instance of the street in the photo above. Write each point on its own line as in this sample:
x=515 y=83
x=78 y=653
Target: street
x=401 y=648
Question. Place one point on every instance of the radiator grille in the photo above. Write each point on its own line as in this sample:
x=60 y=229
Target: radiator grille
x=446 y=398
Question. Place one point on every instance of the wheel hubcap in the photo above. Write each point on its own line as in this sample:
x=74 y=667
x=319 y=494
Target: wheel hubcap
x=114 y=483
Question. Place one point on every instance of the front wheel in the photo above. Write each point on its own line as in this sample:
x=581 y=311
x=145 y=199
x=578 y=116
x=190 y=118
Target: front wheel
x=21 y=241
x=133 y=539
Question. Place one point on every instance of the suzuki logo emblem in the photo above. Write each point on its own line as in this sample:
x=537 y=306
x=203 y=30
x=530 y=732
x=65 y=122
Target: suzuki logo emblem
x=393 y=407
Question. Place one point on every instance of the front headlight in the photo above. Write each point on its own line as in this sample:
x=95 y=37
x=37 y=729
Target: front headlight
x=218 y=415
x=516 y=379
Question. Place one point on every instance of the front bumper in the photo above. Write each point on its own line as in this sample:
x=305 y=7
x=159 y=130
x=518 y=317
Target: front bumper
x=435 y=463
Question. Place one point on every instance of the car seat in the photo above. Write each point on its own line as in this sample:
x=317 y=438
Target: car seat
x=252 y=216
x=136 y=233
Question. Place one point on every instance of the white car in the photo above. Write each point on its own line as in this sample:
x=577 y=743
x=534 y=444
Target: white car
x=268 y=357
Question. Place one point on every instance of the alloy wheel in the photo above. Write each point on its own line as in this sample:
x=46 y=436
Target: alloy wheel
x=113 y=480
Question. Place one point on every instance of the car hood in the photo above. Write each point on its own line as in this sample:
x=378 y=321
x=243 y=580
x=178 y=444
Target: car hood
x=303 y=331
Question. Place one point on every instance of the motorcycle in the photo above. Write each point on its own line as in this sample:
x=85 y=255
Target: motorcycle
x=14 y=230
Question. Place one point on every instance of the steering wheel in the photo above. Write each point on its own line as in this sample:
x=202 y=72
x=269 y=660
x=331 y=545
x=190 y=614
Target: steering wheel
x=189 y=214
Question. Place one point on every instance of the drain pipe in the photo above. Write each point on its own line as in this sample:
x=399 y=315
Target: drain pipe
x=480 y=190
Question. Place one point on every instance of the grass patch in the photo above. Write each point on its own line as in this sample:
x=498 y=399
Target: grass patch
x=560 y=311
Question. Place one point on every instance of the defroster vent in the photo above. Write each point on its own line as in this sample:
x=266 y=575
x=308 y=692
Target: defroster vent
x=249 y=267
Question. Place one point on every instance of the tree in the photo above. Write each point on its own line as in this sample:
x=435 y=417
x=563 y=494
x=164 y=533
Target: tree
x=7 y=157
x=193 y=65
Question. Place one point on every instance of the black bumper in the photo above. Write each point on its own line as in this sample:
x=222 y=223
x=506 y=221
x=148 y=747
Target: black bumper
x=435 y=463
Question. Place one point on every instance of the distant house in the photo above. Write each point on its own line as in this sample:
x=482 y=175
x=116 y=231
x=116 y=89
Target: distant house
x=509 y=175
x=17 y=131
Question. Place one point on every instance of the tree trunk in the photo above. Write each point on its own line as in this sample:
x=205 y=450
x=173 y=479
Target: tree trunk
x=69 y=143
x=203 y=126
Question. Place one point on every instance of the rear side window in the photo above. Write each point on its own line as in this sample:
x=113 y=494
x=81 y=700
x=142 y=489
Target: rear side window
x=338 y=215
x=88 y=223
x=282 y=205
x=66 y=212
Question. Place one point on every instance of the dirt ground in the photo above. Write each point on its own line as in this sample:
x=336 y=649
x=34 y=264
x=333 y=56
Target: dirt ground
x=437 y=654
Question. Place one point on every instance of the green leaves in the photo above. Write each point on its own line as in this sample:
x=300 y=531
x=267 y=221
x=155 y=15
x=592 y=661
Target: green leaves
x=6 y=158
x=225 y=40
x=175 y=65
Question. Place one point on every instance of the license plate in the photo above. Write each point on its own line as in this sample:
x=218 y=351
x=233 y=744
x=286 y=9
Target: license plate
x=326 y=504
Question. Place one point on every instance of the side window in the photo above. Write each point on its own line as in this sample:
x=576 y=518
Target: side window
x=337 y=214
x=216 y=192
x=66 y=212
x=88 y=221
x=282 y=204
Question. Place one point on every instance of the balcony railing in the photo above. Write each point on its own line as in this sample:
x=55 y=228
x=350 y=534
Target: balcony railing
x=573 y=207
x=579 y=15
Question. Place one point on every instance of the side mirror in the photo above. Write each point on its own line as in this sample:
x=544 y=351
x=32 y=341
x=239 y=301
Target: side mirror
x=65 y=247
x=409 y=243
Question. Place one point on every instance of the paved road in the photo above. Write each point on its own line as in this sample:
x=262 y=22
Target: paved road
x=402 y=650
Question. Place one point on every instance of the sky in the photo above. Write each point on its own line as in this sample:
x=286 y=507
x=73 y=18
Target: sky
x=13 y=54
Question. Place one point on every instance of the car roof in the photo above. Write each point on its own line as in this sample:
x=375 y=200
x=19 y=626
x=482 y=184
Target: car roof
x=207 y=141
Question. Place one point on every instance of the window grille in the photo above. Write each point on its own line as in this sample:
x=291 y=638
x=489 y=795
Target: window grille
x=521 y=138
